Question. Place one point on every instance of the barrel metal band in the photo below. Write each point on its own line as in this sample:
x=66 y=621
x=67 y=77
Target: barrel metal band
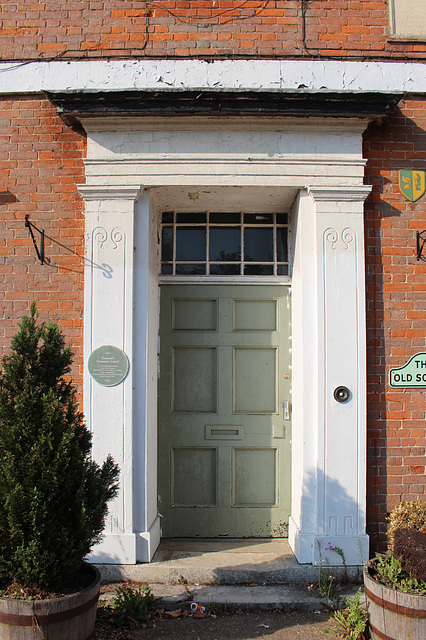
x=408 y=612
x=50 y=618
x=380 y=634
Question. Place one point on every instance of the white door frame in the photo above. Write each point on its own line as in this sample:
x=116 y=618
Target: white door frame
x=130 y=163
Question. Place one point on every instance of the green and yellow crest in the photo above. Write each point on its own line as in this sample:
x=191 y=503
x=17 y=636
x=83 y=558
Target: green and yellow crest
x=412 y=183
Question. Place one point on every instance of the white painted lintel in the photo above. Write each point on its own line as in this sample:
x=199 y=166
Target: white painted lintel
x=237 y=75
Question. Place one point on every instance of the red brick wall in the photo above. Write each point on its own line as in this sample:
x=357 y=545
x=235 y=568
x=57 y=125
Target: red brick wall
x=120 y=28
x=40 y=165
x=396 y=314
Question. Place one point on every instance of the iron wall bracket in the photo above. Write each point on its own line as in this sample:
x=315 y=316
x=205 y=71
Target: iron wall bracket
x=421 y=240
x=30 y=226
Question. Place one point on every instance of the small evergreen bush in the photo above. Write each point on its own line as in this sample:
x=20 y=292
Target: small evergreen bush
x=53 y=498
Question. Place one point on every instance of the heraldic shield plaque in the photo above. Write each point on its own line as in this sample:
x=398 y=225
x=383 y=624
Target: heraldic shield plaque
x=412 y=183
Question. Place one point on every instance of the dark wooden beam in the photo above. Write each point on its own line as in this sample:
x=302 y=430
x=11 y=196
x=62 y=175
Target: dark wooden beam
x=74 y=105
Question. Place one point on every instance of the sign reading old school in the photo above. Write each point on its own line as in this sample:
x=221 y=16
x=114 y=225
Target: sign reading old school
x=412 y=374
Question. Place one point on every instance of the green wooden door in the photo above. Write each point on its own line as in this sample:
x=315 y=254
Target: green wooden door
x=224 y=432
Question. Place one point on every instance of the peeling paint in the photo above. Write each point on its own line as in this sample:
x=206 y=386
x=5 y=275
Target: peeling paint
x=291 y=75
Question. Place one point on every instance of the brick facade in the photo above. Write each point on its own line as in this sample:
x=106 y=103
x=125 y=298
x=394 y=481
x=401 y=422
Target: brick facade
x=396 y=307
x=41 y=162
x=123 y=28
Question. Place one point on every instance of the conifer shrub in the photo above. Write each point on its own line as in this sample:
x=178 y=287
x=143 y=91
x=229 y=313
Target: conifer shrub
x=53 y=497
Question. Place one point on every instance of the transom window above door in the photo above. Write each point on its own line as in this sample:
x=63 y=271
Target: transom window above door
x=224 y=244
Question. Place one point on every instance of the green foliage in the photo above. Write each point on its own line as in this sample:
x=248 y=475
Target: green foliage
x=341 y=554
x=390 y=573
x=53 y=498
x=407 y=515
x=132 y=607
x=184 y=582
x=353 y=620
x=325 y=583
x=387 y=569
x=325 y=579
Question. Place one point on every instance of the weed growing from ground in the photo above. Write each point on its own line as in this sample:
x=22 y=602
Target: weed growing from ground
x=340 y=553
x=353 y=620
x=325 y=579
x=183 y=581
x=132 y=607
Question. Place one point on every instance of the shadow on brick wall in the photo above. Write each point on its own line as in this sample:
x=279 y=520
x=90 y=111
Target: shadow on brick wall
x=396 y=296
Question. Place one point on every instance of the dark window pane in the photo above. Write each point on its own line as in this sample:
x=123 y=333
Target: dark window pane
x=282 y=270
x=225 y=244
x=258 y=218
x=225 y=218
x=258 y=245
x=282 y=249
x=191 y=217
x=167 y=216
x=190 y=243
x=167 y=269
x=282 y=218
x=191 y=269
x=258 y=270
x=224 y=269
x=167 y=244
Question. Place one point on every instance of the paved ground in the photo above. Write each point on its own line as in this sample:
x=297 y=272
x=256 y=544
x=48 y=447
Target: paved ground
x=255 y=589
x=234 y=626
x=305 y=617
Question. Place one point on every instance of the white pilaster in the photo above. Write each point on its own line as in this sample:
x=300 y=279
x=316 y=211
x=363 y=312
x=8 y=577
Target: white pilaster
x=109 y=318
x=328 y=442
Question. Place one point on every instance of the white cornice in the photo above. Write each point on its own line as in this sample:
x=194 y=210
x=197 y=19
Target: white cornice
x=108 y=192
x=230 y=75
x=338 y=194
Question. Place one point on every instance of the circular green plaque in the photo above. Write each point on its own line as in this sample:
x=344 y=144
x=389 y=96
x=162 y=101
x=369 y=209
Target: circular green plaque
x=108 y=365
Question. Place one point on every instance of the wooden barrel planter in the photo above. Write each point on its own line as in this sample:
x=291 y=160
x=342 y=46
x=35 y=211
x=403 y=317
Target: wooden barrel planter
x=393 y=614
x=69 y=617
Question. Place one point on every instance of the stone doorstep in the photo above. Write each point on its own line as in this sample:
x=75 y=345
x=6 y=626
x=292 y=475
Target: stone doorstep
x=171 y=574
x=225 y=562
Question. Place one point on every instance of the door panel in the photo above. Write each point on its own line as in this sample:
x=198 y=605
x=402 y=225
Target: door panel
x=224 y=446
x=255 y=315
x=194 y=379
x=193 y=477
x=255 y=380
x=254 y=489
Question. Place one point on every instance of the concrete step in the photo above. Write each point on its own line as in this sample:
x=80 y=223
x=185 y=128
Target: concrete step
x=220 y=598
x=227 y=562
